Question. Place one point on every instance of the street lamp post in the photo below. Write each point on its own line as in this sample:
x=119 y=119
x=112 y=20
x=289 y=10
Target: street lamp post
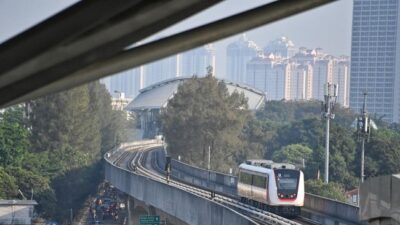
x=327 y=108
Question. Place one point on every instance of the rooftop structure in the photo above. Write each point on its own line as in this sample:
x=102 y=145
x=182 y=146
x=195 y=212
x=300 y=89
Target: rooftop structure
x=156 y=96
x=269 y=164
x=17 y=212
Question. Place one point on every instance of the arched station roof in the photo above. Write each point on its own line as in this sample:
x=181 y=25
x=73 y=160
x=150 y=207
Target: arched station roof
x=157 y=95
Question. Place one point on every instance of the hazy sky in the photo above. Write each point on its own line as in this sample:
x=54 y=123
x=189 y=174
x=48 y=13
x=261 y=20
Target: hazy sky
x=328 y=27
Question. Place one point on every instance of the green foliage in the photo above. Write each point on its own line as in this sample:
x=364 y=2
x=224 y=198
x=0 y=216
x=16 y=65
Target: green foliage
x=294 y=154
x=8 y=188
x=74 y=186
x=55 y=151
x=382 y=153
x=13 y=137
x=28 y=181
x=34 y=184
x=331 y=190
x=70 y=131
x=281 y=124
x=112 y=123
x=204 y=115
x=309 y=130
x=64 y=126
x=290 y=111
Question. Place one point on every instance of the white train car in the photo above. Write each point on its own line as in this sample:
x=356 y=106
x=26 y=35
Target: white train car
x=276 y=187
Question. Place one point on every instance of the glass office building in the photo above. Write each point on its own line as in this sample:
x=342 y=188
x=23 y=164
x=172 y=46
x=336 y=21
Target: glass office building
x=375 y=62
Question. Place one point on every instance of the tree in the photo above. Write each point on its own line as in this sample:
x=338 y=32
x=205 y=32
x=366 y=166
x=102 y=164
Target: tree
x=289 y=111
x=382 y=153
x=111 y=122
x=74 y=126
x=331 y=190
x=28 y=181
x=13 y=137
x=294 y=153
x=8 y=188
x=70 y=131
x=203 y=115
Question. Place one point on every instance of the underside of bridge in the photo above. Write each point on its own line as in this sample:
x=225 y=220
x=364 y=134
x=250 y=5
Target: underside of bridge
x=94 y=39
x=137 y=208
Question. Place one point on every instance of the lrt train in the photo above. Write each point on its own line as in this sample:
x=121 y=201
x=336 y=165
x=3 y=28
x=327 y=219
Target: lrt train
x=275 y=187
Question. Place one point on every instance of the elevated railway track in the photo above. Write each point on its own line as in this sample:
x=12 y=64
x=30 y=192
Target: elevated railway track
x=139 y=160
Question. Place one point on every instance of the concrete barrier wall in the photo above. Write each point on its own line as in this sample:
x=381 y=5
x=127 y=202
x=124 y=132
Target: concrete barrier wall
x=332 y=208
x=380 y=199
x=226 y=184
x=187 y=207
x=214 y=181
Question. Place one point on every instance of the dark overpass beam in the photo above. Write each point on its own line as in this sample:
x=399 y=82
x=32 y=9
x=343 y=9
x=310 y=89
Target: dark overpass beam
x=62 y=45
x=53 y=32
x=53 y=81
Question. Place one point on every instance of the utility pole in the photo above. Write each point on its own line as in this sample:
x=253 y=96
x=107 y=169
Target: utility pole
x=327 y=108
x=71 y=216
x=209 y=158
x=364 y=125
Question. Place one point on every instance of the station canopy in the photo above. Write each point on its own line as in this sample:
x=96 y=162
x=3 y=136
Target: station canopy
x=157 y=95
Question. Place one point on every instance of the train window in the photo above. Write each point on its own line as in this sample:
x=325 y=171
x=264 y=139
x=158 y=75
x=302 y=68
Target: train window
x=259 y=181
x=245 y=178
x=287 y=179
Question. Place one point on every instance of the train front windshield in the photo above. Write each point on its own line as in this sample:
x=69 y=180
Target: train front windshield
x=287 y=180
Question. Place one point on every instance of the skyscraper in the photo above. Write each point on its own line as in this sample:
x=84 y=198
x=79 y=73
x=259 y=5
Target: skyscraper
x=341 y=77
x=300 y=82
x=281 y=47
x=128 y=82
x=375 y=59
x=196 y=61
x=322 y=74
x=301 y=77
x=271 y=75
x=239 y=53
x=161 y=70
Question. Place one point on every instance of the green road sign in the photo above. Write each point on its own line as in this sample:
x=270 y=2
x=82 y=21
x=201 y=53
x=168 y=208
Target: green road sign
x=149 y=220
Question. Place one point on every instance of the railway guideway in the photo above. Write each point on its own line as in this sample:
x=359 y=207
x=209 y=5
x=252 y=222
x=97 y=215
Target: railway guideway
x=317 y=208
x=189 y=207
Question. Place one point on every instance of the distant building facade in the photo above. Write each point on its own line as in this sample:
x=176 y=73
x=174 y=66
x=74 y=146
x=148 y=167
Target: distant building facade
x=189 y=63
x=163 y=69
x=301 y=77
x=375 y=59
x=322 y=74
x=282 y=47
x=238 y=54
x=119 y=104
x=128 y=82
x=341 y=77
x=196 y=61
x=300 y=82
x=269 y=75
